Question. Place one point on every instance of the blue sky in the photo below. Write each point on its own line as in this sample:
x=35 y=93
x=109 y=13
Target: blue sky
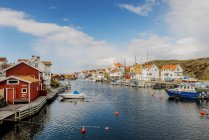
x=99 y=32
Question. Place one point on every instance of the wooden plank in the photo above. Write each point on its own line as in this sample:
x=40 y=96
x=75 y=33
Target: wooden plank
x=5 y=114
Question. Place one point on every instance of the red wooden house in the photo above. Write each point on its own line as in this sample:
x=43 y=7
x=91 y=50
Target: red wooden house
x=23 y=83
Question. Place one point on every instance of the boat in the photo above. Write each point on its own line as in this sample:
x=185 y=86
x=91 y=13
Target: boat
x=134 y=84
x=187 y=91
x=126 y=83
x=74 y=95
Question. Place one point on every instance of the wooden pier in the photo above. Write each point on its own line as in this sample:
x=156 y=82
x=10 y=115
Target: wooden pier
x=5 y=114
x=30 y=109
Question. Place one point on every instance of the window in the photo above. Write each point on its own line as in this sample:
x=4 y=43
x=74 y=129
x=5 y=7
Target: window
x=24 y=90
x=12 y=82
x=170 y=74
x=36 y=64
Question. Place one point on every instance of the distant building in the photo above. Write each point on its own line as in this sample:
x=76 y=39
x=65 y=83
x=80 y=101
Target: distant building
x=136 y=71
x=174 y=71
x=117 y=71
x=150 y=72
x=100 y=74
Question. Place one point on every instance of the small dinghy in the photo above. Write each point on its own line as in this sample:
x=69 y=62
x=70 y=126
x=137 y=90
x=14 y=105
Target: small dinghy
x=74 y=95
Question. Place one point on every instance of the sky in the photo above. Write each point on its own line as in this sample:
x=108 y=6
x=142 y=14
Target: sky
x=79 y=34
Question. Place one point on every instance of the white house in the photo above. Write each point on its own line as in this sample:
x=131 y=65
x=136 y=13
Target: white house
x=44 y=66
x=3 y=63
x=100 y=74
x=174 y=71
x=116 y=74
x=117 y=71
x=150 y=72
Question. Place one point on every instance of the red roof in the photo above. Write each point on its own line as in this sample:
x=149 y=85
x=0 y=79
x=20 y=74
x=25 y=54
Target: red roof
x=170 y=67
x=3 y=59
x=118 y=65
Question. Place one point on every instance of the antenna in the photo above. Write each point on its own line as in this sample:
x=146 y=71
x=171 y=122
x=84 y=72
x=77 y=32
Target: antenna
x=147 y=57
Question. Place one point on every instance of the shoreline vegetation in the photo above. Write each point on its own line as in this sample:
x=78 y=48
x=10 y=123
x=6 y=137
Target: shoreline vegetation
x=195 y=68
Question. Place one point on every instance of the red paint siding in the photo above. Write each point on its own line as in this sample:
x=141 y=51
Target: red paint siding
x=34 y=88
x=23 y=69
x=34 y=93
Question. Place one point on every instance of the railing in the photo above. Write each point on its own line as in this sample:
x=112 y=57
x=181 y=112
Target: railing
x=30 y=109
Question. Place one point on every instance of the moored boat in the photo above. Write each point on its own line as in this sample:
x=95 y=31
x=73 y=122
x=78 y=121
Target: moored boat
x=74 y=95
x=187 y=91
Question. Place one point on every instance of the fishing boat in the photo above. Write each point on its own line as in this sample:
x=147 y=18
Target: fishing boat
x=74 y=95
x=187 y=91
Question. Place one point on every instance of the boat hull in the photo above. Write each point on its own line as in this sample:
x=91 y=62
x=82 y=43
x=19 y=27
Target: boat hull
x=182 y=94
x=72 y=96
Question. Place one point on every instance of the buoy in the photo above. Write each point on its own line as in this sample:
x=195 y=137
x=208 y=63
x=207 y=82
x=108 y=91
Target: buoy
x=107 y=128
x=202 y=113
x=83 y=130
x=116 y=113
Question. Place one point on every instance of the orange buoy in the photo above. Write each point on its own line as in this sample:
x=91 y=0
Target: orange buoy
x=116 y=113
x=83 y=130
x=202 y=113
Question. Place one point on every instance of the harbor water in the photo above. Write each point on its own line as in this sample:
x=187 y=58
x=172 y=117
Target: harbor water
x=143 y=114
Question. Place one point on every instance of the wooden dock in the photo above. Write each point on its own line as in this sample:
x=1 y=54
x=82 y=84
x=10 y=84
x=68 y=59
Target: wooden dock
x=30 y=109
x=5 y=114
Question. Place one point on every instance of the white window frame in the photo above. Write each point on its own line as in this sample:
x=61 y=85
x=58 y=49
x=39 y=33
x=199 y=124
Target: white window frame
x=25 y=91
x=13 y=83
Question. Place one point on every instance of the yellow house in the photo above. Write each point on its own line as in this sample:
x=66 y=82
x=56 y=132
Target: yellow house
x=136 y=69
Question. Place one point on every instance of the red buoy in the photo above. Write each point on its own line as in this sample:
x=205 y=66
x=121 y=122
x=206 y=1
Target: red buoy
x=83 y=130
x=202 y=113
x=116 y=113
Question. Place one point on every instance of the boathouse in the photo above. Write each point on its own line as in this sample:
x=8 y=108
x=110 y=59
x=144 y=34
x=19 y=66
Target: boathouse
x=22 y=83
x=20 y=89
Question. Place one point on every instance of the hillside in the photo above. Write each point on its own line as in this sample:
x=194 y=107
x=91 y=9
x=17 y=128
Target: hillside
x=195 y=68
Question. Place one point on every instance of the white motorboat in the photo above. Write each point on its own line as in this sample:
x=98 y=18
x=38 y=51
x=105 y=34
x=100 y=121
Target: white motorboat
x=74 y=95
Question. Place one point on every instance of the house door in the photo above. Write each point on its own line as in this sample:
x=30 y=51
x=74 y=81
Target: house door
x=10 y=95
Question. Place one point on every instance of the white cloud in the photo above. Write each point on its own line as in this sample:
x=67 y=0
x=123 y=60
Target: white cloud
x=69 y=48
x=165 y=48
x=142 y=10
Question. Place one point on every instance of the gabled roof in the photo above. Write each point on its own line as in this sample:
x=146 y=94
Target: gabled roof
x=21 y=63
x=170 y=67
x=27 y=79
x=3 y=59
x=118 y=64
x=113 y=71
x=47 y=63
x=148 y=66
